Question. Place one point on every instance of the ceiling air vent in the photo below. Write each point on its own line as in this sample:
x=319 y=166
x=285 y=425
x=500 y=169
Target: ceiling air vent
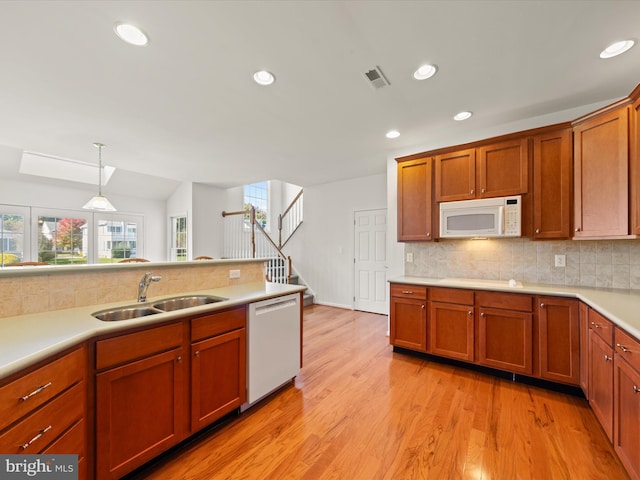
x=376 y=78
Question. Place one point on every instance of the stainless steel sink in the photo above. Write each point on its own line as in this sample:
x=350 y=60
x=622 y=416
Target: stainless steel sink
x=167 y=305
x=125 y=313
x=178 y=303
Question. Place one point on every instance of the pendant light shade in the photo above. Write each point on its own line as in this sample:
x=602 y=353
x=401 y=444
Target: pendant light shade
x=99 y=202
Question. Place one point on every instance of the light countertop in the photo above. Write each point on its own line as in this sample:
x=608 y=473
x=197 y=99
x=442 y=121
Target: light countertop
x=27 y=339
x=622 y=307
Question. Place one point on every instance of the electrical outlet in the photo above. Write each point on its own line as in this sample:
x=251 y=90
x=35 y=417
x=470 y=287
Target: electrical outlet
x=560 y=261
x=410 y=257
x=234 y=273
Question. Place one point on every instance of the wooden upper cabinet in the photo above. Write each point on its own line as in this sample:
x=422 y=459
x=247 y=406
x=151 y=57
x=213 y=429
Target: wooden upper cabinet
x=634 y=167
x=415 y=220
x=492 y=170
x=503 y=169
x=456 y=176
x=552 y=177
x=601 y=175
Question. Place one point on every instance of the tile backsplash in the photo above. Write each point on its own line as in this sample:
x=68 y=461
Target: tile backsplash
x=597 y=263
x=59 y=289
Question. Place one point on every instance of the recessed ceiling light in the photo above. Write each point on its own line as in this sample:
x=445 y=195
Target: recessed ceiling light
x=462 y=116
x=393 y=134
x=617 y=48
x=424 y=72
x=131 y=34
x=263 y=77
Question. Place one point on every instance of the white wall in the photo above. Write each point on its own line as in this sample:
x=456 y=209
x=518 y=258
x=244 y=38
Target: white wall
x=322 y=249
x=208 y=223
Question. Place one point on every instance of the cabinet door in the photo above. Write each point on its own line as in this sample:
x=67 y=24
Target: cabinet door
x=552 y=177
x=559 y=339
x=601 y=182
x=139 y=412
x=415 y=200
x=408 y=324
x=627 y=416
x=584 y=349
x=505 y=340
x=634 y=168
x=601 y=381
x=218 y=377
x=503 y=169
x=456 y=176
x=451 y=330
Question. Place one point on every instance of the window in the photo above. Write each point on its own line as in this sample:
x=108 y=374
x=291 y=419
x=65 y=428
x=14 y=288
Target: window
x=179 y=244
x=14 y=234
x=62 y=240
x=257 y=195
x=117 y=238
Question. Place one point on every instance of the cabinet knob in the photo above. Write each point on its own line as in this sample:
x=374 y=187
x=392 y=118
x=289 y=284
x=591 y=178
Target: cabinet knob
x=197 y=353
x=595 y=325
x=423 y=306
x=542 y=305
x=636 y=389
x=470 y=313
x=179 y=359
x=482 y=190
x=482 y=314
x=428 y=234
x=472 y=192
x=622 y=347
x=607 y=358
x=537 y=230
x=577 y=230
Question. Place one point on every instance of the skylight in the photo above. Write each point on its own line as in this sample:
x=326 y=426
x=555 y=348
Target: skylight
x=47 y=166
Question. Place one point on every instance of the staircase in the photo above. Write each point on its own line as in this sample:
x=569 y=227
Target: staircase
x=246 y=238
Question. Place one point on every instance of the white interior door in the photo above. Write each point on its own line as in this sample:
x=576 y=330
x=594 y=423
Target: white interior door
x=370 y=261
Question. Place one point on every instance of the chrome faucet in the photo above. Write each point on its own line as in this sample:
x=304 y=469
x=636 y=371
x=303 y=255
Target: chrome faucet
x=146 y=280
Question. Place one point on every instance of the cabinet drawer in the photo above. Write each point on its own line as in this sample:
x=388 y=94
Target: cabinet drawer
x=452 y=295
x=217 y=323
x=601 y=326
x=506 y=301
x=32 y=390
x=628 y=348
x=124 y=348
x=39 y=429
x=70 y=442
x=408 y=291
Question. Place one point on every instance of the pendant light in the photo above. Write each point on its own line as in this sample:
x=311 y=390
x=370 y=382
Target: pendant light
x=99 y=202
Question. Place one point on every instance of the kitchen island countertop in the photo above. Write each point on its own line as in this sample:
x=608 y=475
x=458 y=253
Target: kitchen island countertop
x=28 y=339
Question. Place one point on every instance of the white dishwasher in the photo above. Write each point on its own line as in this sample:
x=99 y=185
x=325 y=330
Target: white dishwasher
x=273 y=344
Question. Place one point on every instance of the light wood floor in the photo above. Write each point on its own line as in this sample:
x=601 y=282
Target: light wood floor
x=359 y=411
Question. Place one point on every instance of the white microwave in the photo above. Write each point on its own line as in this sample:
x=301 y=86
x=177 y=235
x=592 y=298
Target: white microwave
x=487 y=217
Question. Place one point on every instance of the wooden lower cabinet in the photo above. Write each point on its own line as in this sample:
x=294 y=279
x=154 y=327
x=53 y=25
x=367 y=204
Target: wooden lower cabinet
x=601 y=381
x=218 y=377
x=451 y=323
x=408 y=317
x=505 y=340
x=627 y=416
x=559 y=339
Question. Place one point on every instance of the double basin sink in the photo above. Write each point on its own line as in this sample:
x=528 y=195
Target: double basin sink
x=162 y=306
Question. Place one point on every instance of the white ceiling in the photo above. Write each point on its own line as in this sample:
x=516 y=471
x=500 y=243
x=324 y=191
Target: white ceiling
x=185 y=107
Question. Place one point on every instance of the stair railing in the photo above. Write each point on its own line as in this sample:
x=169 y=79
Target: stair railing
x=250 y=240
x=290 y=220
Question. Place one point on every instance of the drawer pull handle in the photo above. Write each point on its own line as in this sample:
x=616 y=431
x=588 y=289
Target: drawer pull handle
x=607 y=358
x=623 y=348
x=24 y=446
x=35 y=392
x=636 y=389
x=595 y=325
x=407 y=292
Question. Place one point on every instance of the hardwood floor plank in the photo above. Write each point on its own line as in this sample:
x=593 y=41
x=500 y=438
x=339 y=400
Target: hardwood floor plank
x=357 y=410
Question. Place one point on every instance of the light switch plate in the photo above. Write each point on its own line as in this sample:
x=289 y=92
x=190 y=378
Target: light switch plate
x=234 y=273
x=560 y=261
